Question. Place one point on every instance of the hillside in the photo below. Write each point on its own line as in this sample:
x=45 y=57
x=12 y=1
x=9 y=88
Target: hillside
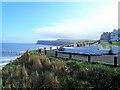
x=35 y=70
x=64 y=42
x=57 y=42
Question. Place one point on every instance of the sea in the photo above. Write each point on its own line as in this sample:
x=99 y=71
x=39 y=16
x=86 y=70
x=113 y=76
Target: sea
x=11 y=51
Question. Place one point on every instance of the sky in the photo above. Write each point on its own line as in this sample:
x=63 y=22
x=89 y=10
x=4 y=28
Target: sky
x=27 y=22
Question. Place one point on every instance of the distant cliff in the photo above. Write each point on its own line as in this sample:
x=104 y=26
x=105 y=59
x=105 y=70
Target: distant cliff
x=57 y=42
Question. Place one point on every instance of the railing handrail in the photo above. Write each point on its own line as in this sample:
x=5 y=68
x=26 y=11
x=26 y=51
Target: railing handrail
x=115 y=60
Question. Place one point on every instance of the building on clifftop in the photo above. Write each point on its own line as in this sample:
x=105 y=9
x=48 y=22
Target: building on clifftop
x=105 y=36
x=111 y=36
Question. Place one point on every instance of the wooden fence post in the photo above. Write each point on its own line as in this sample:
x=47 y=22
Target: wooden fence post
x=89 y=58
x=70 y=56
x=39 y=50
x=45 y=50
x=115 y=61
x=56 y=54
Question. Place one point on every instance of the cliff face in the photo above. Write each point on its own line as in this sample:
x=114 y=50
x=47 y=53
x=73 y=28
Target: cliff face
x=56 y=42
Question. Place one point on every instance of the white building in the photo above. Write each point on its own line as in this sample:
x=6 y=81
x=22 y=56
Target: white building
x=105 y=36
x=114 y=35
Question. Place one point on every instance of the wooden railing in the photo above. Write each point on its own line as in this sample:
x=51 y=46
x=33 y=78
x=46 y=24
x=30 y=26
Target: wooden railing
x=56 y=53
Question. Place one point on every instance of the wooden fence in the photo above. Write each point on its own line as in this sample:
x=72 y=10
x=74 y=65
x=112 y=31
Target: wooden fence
x=107 y=59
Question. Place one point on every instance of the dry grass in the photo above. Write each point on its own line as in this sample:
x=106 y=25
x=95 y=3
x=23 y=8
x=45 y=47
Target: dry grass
x=35 y=70
x=32 y=70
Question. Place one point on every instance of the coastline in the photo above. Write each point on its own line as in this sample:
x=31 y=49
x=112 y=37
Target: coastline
x=6 y=60
x=96 y=58
x=11 y=51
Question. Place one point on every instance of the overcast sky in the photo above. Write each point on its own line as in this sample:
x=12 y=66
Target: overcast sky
x=30 y=21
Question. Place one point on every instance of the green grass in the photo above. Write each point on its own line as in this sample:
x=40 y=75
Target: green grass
x=104 y=44
x=35 y=70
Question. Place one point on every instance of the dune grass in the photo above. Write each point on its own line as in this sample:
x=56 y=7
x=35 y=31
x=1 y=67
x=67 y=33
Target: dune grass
x=35 y=70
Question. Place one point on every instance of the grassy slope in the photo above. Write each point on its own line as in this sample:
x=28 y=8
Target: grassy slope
x=34 y=70
x=106 y=43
